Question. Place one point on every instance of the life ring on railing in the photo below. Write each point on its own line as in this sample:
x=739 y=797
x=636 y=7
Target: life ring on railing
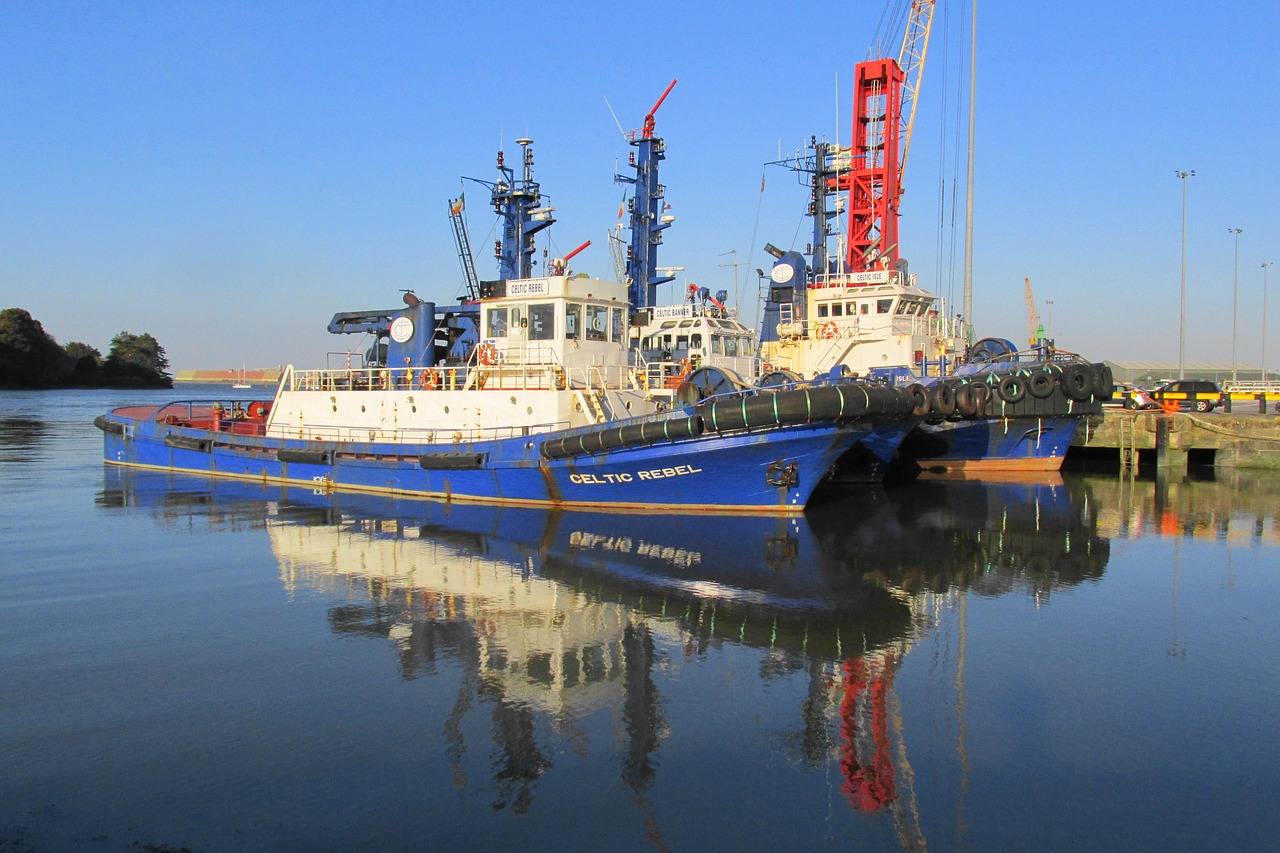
x=487 y=354
x=828 y=329
x=686 y=367
x=430 y=379
x=766 y=368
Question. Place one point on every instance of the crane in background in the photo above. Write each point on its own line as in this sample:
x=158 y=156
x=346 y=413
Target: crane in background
x=1033 y=316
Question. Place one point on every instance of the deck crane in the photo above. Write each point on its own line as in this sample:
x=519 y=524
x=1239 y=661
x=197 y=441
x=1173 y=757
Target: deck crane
x=883 y=113
x=1033 y=316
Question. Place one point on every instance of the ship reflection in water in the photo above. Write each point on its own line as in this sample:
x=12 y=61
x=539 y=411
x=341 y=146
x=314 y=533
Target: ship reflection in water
x=555 y=616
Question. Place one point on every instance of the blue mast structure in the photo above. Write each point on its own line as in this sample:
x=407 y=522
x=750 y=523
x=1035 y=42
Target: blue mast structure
x=646 y=214
x=820 y=164
x=516 y=201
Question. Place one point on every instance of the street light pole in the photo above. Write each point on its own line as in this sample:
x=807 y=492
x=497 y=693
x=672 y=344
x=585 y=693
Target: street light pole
x=1235 y=291
x=1264 y=319
x=1182 y=314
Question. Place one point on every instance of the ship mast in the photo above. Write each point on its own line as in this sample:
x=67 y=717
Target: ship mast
x=647 y=219
x=516 y=201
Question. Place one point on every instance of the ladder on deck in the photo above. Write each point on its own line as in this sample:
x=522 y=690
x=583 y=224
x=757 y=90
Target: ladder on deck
x=593 y=404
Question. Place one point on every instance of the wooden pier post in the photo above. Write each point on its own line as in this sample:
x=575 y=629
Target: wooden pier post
x=1169 y=450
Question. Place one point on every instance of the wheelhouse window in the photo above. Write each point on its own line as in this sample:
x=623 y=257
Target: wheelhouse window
x=597 y=323
x=884 y=306
x=496 y=325
x=615 y=325
x=822 y=309
x=572 y=321
x=542 y=322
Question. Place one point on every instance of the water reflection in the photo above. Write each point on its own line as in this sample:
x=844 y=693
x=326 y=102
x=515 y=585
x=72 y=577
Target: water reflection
x=21 y=437
x=1236 y=506
x=1029 y=536
x=552 y=617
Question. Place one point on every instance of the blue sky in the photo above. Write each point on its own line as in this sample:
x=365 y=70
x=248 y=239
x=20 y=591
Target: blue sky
x=226 y=176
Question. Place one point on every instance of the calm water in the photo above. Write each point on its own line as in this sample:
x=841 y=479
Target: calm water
x=1090 y=663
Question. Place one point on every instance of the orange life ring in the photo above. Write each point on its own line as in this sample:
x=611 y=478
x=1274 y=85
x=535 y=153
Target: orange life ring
x=487 y=354
x=766 y=368
x=829 y=329
x=431 y=379
x=686 y=367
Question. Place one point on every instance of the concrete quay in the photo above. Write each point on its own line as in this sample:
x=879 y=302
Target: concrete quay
x=1236 y=440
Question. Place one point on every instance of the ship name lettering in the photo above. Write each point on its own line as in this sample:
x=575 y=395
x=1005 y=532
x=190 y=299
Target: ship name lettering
x=662 y=473
x=599 y=479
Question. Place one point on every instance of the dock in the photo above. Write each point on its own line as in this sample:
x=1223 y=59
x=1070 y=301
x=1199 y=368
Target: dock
x=1238 y=439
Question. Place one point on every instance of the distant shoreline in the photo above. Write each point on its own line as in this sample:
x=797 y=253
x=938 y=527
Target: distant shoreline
x=259 y=376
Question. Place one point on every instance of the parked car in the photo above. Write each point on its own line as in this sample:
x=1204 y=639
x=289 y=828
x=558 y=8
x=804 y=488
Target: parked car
x=1129 y=396
x=1198 y=394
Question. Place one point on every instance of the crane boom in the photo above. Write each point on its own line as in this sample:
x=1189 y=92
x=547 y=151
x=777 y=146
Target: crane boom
x=911 y=56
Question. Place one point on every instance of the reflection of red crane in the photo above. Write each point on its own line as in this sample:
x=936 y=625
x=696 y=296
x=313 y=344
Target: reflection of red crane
x=884 y=108
x=865 y=759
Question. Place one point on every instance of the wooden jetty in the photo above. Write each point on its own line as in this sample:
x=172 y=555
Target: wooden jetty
x=1237 y=440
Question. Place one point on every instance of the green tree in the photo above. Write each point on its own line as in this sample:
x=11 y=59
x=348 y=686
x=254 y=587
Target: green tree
x=136 y=361
x=29 y=357
x=86 y=361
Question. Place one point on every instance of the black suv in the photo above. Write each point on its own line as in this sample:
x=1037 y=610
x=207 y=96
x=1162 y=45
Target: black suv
x=1198 y=394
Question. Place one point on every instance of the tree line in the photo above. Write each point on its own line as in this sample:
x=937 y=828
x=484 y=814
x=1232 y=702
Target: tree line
x=31 y=358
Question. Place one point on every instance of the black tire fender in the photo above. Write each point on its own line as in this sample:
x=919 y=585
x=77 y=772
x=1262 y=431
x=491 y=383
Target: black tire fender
x=1012 y=388
x=1040 y=383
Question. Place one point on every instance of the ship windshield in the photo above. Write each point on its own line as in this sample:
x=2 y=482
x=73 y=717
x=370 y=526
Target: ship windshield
x=597 y=322
x=572 y=321
x=542 y=322
x=496 y=325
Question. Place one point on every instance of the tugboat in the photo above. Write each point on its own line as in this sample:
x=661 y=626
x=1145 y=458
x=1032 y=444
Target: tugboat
x=984 y=408
x=530 y=395
x=700 y=348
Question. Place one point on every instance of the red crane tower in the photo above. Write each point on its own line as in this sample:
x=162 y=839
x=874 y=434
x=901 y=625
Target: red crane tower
x=883 y=113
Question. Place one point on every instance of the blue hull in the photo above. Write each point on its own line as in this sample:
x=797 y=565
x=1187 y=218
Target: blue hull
x=991 y=444
x=765 y=471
